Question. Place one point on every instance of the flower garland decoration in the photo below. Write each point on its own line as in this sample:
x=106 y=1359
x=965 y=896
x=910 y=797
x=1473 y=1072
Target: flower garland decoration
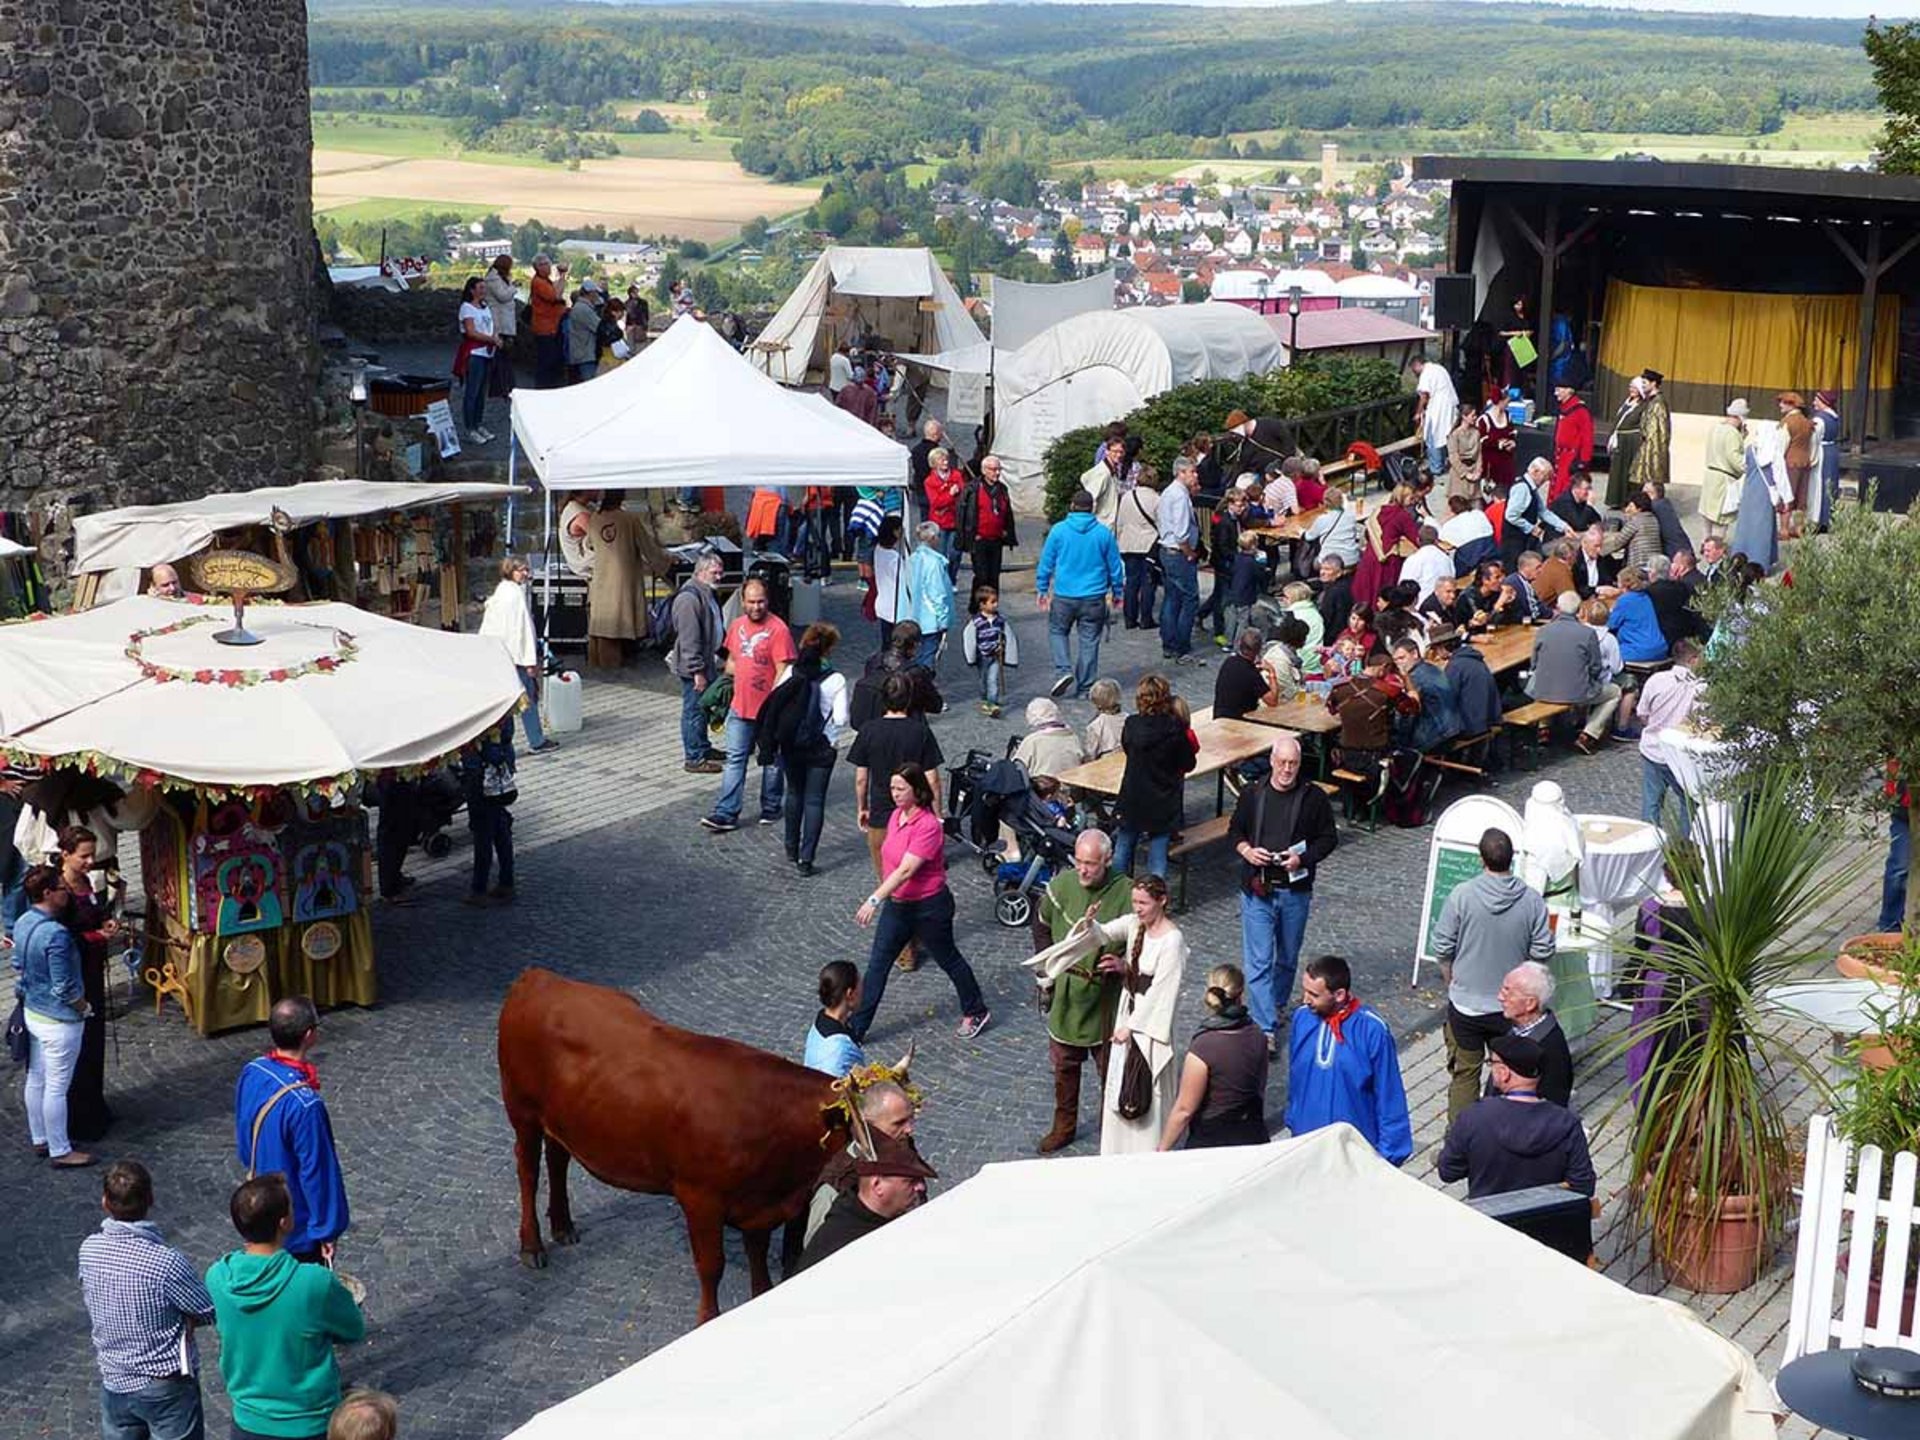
x=345 y=649
x=848 y=1089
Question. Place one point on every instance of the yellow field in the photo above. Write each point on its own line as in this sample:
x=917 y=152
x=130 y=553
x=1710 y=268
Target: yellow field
x=694 y=199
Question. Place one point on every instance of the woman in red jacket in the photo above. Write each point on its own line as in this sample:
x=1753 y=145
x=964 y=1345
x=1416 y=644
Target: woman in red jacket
x=943 y=486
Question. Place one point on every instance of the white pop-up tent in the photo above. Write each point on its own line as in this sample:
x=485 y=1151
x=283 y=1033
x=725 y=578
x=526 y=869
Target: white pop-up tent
x=1304 y=1288
x=687 y=410
x=1095 y=368
x=899 y=296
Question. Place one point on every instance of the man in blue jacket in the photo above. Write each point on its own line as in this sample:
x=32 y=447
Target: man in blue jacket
x=1078 y=577
x=280 y=1123
x=1344 y=1066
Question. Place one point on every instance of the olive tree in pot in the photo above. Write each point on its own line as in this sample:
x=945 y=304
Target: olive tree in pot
x=1881 y=1107
x=1709 y=1168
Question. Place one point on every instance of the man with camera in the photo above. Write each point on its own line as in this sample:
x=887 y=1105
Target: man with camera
x=1282 y=830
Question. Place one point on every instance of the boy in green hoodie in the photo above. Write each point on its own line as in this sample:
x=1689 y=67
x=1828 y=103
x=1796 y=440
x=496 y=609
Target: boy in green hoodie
x=279 y=1321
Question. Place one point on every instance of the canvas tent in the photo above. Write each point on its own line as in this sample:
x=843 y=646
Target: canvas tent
x=1095 y=368
x=138 y=537
x=1304 y=1288
x=687 y=410
x=899 y=298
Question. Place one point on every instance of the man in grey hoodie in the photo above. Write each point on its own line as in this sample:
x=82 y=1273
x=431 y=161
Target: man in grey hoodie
x=1488 y=925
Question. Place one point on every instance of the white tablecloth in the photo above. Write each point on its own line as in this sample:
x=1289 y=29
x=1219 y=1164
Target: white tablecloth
x=1700 y=762
x=1620 y=869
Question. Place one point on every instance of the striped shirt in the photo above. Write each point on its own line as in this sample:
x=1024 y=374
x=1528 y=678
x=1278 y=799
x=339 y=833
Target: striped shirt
x=140 y=1293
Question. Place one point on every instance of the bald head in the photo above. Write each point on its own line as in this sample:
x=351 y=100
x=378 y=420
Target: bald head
x=1285 y=758
x=165 y=580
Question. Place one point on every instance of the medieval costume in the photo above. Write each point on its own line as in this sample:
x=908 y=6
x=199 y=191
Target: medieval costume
x=1826 y=419
x=1081 y=1004
x=1652 y=461
x=1623 y=444
x=1799 y=454
x=1498 y=446
x=1464 y=447
x=1572 y=445
x=625 y=552
x=1726 y=469
x=1756 y=532
x=1389 y=536
x=1345 y=1068
x=1147 y=1001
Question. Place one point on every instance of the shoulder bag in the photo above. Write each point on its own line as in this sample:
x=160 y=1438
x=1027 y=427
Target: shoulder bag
x=1136 y=1076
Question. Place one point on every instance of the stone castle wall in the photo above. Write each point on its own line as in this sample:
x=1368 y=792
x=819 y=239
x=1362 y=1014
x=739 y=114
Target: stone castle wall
x=156 y=250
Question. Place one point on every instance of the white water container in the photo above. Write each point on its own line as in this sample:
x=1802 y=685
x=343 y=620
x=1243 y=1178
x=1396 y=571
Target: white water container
x=563 y=703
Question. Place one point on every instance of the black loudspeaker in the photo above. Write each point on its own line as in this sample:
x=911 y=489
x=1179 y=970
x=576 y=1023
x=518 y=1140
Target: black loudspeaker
x=1452 y=302
x=1895 y=483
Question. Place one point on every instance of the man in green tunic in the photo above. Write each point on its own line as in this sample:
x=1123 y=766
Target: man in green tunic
x=1651 y=462
x=1081 y=1004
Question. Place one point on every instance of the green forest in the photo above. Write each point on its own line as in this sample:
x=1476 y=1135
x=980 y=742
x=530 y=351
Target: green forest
x=811 y=90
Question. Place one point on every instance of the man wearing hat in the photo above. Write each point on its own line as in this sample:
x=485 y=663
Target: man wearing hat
x=892 y=1181
x=1572 y=440
x=1515 y=1140
x=1653 y=460
x=1826 y=449
x=583 y=330
x=1260 y=443
x=1726 y=469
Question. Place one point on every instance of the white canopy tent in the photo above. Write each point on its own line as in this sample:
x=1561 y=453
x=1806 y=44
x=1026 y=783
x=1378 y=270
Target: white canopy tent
x=688 y=410
x=141 y=536
x=1304 y=1288
x=1023 y=311
x=357 y=691
x=1095 y=368
x=13 y=549
x=900 y=295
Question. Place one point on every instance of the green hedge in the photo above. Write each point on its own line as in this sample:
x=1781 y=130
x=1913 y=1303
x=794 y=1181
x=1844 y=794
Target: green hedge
x=1169 y=420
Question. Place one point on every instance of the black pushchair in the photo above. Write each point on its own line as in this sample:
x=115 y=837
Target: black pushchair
x=440 y=799
x=985 y=794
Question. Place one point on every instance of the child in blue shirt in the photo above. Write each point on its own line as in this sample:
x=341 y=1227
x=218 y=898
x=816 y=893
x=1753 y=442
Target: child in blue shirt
x=988 y=644
x=1246 y=582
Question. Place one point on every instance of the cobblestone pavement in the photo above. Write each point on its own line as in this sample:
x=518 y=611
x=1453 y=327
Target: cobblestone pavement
x=618 y=885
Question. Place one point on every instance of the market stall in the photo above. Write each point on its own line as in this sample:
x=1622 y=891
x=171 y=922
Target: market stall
x=395 y=549
x=1133 y=1295
x=254 y=852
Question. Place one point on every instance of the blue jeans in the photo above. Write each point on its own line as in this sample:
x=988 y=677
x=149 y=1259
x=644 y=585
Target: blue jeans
x=530 y=717
x=806 y=814
x=1437 y=458
x=166 y=1410
x=950 y=547
x=1128 y=838
x=992 y=674
x=1089 y=613
x=733 y=779
x=491 y=822
x=929 y=924
x=693 y=724
x=929 y=652
x=1215 y=605
x=1272 y=929
x=473 y=401
x=1136 y=606
x=1181 y=605
x=1655 y=781
x=1893 y=885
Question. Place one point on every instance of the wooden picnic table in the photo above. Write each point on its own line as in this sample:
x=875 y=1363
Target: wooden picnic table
x=1306 y=712
x=1222 y=743
x=1507 y=647
x=1290 y=528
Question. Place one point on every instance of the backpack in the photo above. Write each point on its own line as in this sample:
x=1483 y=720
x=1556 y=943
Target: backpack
x=810 y=728
x=660 y=629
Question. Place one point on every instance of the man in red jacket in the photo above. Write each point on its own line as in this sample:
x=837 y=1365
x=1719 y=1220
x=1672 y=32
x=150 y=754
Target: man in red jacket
x=1572 y=440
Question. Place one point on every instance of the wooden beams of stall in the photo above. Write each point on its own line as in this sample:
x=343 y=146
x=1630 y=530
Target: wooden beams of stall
x=1548 y=246
x=1877 y=261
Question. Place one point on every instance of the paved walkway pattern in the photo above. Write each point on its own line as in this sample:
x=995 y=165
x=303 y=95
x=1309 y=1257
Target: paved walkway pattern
x=619 y=885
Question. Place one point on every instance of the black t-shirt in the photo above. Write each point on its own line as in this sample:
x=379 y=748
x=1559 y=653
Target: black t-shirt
x=883 y=746
x=1284 y=819
x=1238 y=688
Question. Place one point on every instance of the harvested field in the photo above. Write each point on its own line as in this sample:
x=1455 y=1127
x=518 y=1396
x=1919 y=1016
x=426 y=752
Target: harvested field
x=694 y=199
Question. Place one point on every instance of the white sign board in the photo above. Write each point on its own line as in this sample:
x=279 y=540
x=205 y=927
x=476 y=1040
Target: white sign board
x=1453 y=857
x=440 y=425
x=966 y=398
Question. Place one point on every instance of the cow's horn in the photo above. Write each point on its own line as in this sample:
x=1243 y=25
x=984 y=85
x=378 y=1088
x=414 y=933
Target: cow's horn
x=901 y=1065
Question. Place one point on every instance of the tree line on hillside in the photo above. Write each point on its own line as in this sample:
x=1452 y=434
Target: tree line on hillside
x=810 y=91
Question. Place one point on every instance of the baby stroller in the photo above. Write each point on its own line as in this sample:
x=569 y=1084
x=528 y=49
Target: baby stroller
x=1043 y=824
x=441 y=798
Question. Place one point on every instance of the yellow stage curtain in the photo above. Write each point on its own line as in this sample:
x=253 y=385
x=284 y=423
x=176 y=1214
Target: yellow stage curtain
x=1714 y=345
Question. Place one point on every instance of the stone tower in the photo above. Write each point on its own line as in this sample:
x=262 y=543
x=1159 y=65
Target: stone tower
x=157 y=266
x=1329 y=167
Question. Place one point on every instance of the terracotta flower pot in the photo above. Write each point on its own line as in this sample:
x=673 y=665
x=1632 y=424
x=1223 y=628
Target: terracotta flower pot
x=1873 y=1293
x=1860 y=957
x=1726 y=1257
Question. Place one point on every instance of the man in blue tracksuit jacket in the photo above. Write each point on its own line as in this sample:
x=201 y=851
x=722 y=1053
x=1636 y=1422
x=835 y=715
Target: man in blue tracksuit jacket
x=295 y=1136
x=1079 y=575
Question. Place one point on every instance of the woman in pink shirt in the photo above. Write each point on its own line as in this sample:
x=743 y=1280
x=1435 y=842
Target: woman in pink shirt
x=914 y=903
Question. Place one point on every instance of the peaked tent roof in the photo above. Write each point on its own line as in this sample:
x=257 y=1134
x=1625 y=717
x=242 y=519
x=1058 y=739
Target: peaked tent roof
x=688 y=410
x=785 y=349
x=1191 y=1263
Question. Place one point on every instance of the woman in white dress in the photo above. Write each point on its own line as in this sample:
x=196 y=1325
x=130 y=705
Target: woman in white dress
x=1154 y=954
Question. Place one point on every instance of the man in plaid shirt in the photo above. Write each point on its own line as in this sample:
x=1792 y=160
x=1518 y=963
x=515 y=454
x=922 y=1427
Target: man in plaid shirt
x=144 y=1298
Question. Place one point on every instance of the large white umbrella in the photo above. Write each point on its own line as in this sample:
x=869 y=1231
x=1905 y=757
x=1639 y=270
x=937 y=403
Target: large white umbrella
x=141 y=689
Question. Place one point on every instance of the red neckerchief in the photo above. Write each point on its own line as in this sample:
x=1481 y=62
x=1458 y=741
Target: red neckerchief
x=1339 y=1017
x=303 y=1067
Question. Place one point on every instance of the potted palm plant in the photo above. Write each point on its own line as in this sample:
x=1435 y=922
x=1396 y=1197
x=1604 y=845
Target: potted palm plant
x=1709 y=1166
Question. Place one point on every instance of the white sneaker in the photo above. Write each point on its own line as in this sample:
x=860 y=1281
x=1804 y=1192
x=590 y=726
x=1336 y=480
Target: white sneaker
x=485 y=436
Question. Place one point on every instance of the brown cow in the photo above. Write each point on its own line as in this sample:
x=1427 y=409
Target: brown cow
x=736 y=1135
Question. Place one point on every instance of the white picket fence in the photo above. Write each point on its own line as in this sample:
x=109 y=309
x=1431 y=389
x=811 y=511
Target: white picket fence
x=1860 y=1218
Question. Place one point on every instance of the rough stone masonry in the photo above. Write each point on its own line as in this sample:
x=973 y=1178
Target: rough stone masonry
x=156 y=250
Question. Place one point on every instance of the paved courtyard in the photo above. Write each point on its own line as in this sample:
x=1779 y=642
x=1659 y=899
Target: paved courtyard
x=619 y=885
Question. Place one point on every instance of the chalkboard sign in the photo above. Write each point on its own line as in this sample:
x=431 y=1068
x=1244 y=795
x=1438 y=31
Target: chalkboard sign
x=1448 y=867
